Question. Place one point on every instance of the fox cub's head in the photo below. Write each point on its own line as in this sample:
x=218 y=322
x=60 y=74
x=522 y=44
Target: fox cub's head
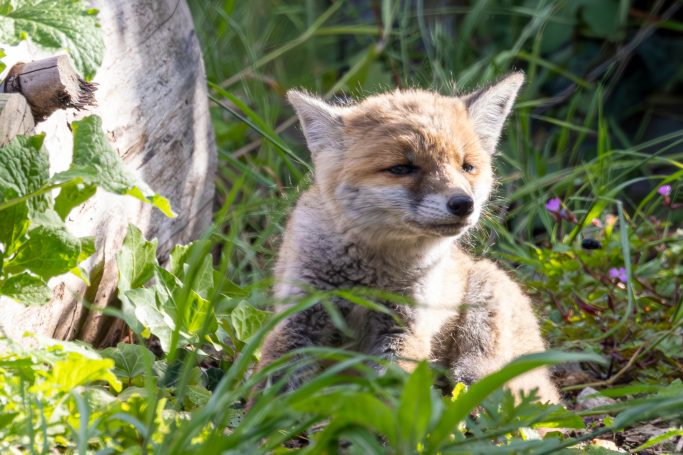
x=407 y=163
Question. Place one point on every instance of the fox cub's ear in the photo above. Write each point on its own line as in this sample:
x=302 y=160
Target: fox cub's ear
x=320 y=121
x=489 y=107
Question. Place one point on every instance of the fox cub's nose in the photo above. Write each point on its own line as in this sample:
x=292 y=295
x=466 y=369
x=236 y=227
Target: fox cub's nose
x=460 y=205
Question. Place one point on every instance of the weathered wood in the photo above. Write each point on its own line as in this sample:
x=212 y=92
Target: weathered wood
x=153 y=103
x=49 y=84
x=15 y=117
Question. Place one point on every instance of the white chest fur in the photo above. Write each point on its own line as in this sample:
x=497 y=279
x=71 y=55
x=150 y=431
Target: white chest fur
x=437 y=298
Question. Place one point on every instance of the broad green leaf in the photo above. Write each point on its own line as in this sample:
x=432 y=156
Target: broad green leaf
x=142 y=307
x=95 y=162
x=14 y=223
x=191 y=312
x=136 y=259
x=24 y=171
x=360 y=408
x=198 y=395
x=55 y=24
x=87 y=248
x=179 y=262
x=561 y=418
x=178 y=258
x=130 y=360
x=78 y=370
x=203 y=281
x=197 y=310
x=81 y=273
x=49 y=251
x=415 y=407
x=26 y=288
x=165 y=288
x=72 y=196
x=6 y=418
x=246 y=320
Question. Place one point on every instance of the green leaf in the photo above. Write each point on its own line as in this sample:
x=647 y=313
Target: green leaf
x=360 y=408
x=415 y=407
x=177 y=258
x=49 y=251
x=179 y=262
x=95 y=162
x=53 y=25
x=136 y=260
x=198 y=395
x=656 y=406
x=26 y=288
x=72 y=196
x=78 y=369
x=671 y=433
x=140 y=305
x=197 y=310
x=165 y=287
x=130 y=360
x=246 y=320
x=203 y=281
x=459 y=409
x=81 y=273
x=24 y=171
x=87 y=248
x=561 y=418
x=601 y=17
x=6 y=418
x=14 y=223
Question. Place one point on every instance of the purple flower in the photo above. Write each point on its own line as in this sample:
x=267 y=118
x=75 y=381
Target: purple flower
x=664 y=190
x=619 y=274
x=553 y=205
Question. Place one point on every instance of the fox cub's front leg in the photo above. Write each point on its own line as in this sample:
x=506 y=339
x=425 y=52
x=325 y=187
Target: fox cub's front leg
x=310 y=327
x=386 y=337
x=495 y=325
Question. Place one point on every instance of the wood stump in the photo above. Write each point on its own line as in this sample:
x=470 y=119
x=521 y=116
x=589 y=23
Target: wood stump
x=153 y=102
x=48 y=85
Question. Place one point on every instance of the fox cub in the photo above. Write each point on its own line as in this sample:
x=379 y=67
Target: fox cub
x=399 y=177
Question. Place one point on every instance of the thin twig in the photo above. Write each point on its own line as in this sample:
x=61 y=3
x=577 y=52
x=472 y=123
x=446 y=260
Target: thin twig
x=612 y=378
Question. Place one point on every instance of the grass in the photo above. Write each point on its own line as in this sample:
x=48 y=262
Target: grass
x=577 y=134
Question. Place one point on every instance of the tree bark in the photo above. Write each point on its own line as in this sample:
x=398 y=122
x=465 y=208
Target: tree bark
x=153 y=103
x=15 y=117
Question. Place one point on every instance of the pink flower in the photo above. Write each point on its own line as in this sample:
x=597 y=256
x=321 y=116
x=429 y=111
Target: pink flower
x=554 y=205
x=619 y=274
x=664 y=190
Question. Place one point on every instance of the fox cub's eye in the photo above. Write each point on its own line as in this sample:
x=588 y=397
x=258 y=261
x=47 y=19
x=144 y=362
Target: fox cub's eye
x=402 y=169
x=467 y=167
